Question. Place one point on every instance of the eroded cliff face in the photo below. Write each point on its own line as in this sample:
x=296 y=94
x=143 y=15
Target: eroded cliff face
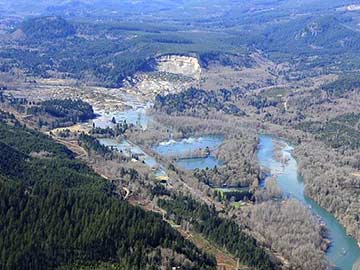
x=176 y=73
x=148 y=85
x=171 y=74
x=181 y=65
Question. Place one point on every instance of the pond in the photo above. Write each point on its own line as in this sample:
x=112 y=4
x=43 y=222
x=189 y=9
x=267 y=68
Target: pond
x=185 y=150
x=208 y=162
x=136 y=115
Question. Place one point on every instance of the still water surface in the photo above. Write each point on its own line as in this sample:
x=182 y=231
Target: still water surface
x=190 y=146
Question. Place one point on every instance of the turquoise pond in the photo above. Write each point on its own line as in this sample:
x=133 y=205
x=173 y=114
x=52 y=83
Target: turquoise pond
x=343 y=252
x=188 y=146
x=198 y=163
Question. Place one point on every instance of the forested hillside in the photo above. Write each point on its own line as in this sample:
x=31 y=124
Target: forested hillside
x=223 y=232
x=56 y=212
x=108 y=52
x=47 y=28
x=112 y=81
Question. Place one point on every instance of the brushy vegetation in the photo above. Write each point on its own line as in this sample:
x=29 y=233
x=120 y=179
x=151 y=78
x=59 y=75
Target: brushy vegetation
x=197 y=101
x=221 y=231
x=340 y=132
x=342 y=86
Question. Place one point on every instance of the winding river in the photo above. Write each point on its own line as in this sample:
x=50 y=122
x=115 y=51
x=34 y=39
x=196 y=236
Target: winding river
x=343 y=251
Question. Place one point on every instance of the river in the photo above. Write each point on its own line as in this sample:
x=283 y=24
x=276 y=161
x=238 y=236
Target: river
x=343 y=251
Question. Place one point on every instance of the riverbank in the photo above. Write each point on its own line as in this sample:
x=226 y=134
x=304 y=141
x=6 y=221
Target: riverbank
x=282 y=154
x=343 y=251
x=232 y=150
x=328 y=174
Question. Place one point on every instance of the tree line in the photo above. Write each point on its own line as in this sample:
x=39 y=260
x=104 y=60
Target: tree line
x=224 y=232
x=56 y=212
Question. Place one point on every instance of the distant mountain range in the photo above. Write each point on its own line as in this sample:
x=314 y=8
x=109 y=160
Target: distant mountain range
x=152 y=8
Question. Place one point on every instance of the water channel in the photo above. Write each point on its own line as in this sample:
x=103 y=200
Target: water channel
x=343 y=251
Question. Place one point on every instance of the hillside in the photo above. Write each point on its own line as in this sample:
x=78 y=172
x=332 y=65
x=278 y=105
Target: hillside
x=233 y=126
x=70 y=217
x=311 y=35
x=47 y=28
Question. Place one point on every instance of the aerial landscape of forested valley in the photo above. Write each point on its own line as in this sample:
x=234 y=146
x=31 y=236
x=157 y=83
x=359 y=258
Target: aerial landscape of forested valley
x=168 y=134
